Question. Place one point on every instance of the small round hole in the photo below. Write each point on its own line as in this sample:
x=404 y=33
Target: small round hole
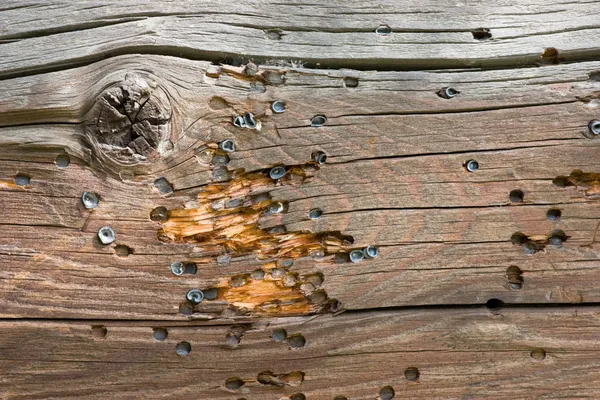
x=183 y=348
x=279 y=335
x=411 y=374
x=494 y=305
x=277 y=172
x=107 y=235
x=257 y=275
x=211 y=293
x=386 y=393
x=319 y=157
x=371 y=252
x=538 y=354
x=278 y=106
x=195 y=296
x=22 y=180
x=340 y=398
x=90 y=200
x=297 y=396
x=356 y=256
x=471 y=165
x=557 y=237
x=99 y=331
x=296 y=341
x=122 y=250
x=447 y=92
x=228 y=146
x=514 y=277
x=159 y=214
x=594 y=127
x=350 y=82
x=481 y=34
x=318 y=120
x=62 y=160
x=234 y=383
x=186 y=308
x=159 y=334
x=553 y=214
x=516 y=196
x=315 y=213
x=383 y=30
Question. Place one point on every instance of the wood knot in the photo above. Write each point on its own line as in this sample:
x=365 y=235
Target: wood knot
x=131 y=121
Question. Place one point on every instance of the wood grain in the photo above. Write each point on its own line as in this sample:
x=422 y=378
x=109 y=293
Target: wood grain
x=459 y=353
x=394 y=178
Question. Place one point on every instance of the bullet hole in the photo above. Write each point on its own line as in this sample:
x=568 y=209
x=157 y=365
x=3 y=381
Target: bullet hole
x=340 y=398
x=122 y=250
x=290 y=279
x=334 y=305
x=561 y=181
x=383 y=30
x=163 y=186
x=274 y=78
x=371 y=252
x=538 y=354
x=514 y=277
x=186 y=308
x=234 y=383
x=99 y=331
x=227 y=145
x=277 y=173
x=411 y=374
x=235 y=334
x=494 y=305
x=316 y=279
x=296 y=341
x=159 y=334
x=594 y=76
x=195 y=296
x=251 y=69
x=386 y=393
x=318 y=120
x=557 y=237
x=356 y=256
x=593 y=128
x=550 y=56
x=317 y=297
x=481 y=34
x=257 y=87
x=220 y=174
x=106 y=235
x=297 y=396
x=238 y=280
x=223 y=260
x=319 y=157
x=516 y=196
x=350 y=82
x=471 y=165
x=257 y=275
x=447 y=92
x=89 y=200
x=211 y=293
x=159 y=214
x=279 y=335
x=278 y=106
x=220 y=160
x=62 y=160
x=22 y=180
x=278 y=229
x=277 y=272
x=183 y=348
x=553 y=214
x=315 y=213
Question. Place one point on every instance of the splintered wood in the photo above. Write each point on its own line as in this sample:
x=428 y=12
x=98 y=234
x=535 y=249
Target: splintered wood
x=227 y=220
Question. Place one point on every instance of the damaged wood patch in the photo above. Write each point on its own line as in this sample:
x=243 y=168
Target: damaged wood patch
x=586 y=182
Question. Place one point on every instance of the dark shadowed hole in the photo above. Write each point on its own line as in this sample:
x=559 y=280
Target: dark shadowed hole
x=62 y=160
x=481 y=34
x=99 y=331
x=122 y=250
x=159 y=214
x=163 y=186
x=595 y=76
x=494 y=305
x=553 y=214
x=211 y=293
x=183 y=348
x=350 y=82
x=22 y=180
x=279 y=335
x=516 y=196
x=514 y=277
x=298 y=396
x=538 y=354
x=411 y=374
x=186 y=308
x=340 y=398
x=386 y=393
x=160 y=334
x=296 y=341
x=234 y=383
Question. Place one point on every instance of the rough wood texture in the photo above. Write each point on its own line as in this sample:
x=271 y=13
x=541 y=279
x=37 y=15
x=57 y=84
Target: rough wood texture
x=131 y=102
x=521 y=353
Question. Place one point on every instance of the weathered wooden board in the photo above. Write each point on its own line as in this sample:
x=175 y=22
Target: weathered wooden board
x=521 y=353
x=394 y=178
x=39 y=36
